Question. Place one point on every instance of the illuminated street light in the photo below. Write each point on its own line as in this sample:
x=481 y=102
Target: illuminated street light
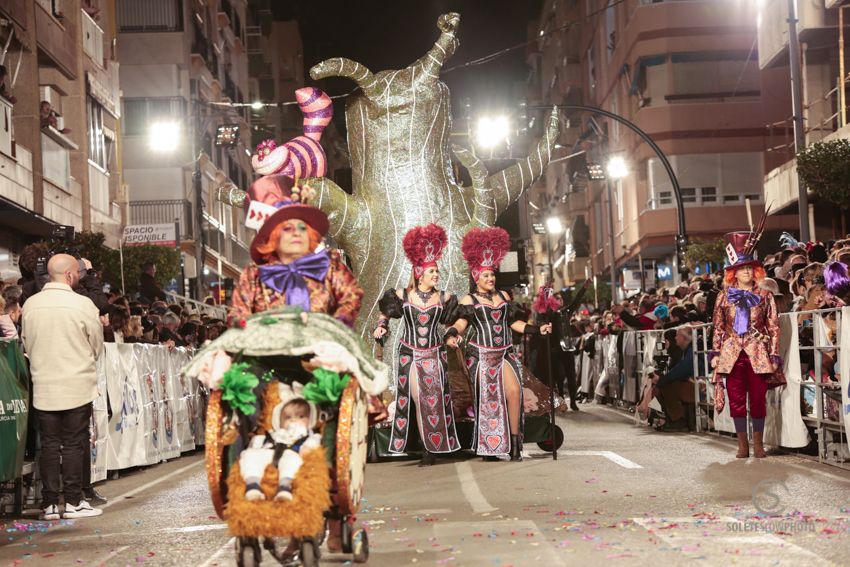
x=257 y=105
x=492 y=131
x=164 y=136
x=617 y=168
x=554 y=226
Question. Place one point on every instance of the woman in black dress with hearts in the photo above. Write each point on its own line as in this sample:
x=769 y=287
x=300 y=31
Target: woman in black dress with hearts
x=423 y=398
x=494 y=368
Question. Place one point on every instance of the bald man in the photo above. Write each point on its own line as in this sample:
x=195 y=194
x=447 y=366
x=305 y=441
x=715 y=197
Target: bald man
x=63 y=337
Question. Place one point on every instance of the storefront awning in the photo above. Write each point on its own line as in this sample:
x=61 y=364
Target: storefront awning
x=25 y=222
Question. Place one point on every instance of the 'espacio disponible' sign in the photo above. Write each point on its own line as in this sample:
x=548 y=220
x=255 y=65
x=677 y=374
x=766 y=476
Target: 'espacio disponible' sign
x=151 y=234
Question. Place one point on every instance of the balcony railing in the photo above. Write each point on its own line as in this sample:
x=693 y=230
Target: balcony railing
x=162 y=212
x=202 y=46
x=92 y=39
x=150 y=15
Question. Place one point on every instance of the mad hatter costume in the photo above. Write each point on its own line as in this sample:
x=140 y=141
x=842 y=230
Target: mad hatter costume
x=422 y=367
x=494 y=368
x=745 y=352
x=318 y=281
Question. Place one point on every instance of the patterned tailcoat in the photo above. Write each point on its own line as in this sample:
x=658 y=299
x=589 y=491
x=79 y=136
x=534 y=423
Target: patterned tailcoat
x=338 y=294
x=727 y=344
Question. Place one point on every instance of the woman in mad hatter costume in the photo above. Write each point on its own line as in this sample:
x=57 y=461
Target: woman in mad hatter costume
x=494 y=368
x=745 y=354
x=422 y=385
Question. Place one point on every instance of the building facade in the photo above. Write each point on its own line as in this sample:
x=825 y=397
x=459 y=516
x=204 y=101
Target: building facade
x=687 y=74
x=183 y=63
x=60 y=135
x=824 y=101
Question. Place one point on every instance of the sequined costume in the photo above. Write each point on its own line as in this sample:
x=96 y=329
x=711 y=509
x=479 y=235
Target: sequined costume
x=422 y=357
x=337 y=295
x=489 y=347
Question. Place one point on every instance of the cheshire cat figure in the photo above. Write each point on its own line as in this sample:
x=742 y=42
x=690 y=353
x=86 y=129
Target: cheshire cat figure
x=398 y=125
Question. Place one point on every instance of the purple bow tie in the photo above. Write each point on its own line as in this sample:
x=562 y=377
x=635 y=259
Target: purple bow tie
x=289 y=278
x=743 y=300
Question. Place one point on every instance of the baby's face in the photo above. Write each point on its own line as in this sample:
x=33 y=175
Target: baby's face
x=295 y=414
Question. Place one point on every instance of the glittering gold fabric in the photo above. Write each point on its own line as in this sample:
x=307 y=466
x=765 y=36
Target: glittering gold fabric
x=214 y=451
x=338 y=294
x=728 y=344
x=399 y=126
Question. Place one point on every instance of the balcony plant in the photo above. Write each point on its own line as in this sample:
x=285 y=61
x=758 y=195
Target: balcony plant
x=825 y=168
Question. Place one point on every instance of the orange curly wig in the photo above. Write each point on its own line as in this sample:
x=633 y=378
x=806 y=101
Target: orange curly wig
x=269 y=248
x=729 y=276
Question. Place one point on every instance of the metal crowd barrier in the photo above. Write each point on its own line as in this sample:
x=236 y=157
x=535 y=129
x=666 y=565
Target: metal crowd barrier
x=809 y=416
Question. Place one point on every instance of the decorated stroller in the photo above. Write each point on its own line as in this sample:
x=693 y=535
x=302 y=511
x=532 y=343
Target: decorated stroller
x=260 y=374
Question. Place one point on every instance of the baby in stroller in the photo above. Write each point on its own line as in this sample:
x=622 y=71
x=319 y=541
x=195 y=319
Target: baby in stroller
x=294 y=422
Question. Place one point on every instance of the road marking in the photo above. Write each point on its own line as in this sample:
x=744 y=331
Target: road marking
x=188 y=529
x=678 y=540
x=110 y=556
x=610 y=455
x=502 y=542
x=144 y=487
x=221 y=550
x=471 y=490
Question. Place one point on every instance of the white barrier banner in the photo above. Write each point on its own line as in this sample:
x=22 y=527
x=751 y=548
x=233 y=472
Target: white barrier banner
x=844 y=368
x=156 y=413
x=99 y=431
x=128 y=426
x=784 y=423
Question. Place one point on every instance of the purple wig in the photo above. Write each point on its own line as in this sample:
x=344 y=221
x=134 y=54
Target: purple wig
x=836 y=278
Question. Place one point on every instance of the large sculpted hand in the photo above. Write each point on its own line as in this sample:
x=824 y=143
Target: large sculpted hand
x=448 y=23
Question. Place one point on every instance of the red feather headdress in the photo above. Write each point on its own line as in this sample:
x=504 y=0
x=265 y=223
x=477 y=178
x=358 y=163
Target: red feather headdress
x=484 y=249
x=424 y=246
x=546 y=299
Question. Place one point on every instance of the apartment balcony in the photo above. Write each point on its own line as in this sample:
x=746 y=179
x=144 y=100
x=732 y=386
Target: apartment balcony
x=815 y=21
x=163 y=211
x=56 y=36
x=92 y=38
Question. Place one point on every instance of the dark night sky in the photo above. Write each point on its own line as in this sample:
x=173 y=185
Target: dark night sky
x=385 y=34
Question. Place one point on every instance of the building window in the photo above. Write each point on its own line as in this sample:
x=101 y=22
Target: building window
x=707 y=179
x=713 y=74
x=55 y=162
x=150 y=15
x=99 y=143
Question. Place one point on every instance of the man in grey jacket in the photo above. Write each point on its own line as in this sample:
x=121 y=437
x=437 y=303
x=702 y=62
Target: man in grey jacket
x=63 y=337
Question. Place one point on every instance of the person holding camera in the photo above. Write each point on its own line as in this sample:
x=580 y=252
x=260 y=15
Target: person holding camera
x=676 y=387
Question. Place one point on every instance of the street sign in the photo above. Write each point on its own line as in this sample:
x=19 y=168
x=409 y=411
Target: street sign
x=151 y=234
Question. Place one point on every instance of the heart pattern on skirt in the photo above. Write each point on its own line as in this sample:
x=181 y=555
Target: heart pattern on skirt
x=470 y=362
x=402 y=380
x=493 y=441
x=431 y=401
x=493 y=424
x=447 y=398
x=398 y=443
x=404 y=359
x=433 y=420
x=402 y=401
x=452 y=441
x=436 y=438
x=401 y=422
x=493 y=388
x=492 y=371
x=428 y=365
x=493 y=406
x=429 y=380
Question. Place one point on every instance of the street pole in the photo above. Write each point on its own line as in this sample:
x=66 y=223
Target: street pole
x=611 y=241
x=797 y=106
x=198 y=192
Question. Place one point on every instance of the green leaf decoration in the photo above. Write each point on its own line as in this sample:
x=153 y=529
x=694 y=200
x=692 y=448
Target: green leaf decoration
x=825 y=168
x=237 y=387
x=268 y=321
x=326 y=386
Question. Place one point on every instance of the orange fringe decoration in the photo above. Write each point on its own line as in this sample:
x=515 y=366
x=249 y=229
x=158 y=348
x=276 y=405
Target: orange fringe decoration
x=301 y=517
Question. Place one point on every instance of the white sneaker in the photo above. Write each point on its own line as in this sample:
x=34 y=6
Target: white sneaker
x=81 y=510
x=50 y=512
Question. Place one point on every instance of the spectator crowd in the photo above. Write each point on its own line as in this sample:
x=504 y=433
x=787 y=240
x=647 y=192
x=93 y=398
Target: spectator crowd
x=801 y=276
x=145 y=316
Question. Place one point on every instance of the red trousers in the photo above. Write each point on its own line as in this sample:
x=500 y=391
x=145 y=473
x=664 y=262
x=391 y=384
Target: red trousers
x=742 y=381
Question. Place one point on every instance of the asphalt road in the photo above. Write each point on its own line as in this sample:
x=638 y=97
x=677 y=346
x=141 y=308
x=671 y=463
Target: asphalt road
x=618 y=494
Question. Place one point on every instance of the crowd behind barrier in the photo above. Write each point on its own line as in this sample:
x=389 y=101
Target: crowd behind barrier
x=808 y=415
x=147 y=411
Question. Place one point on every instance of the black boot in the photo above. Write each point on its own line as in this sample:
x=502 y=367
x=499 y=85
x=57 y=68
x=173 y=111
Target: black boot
x=516 y=448
x=428 y=458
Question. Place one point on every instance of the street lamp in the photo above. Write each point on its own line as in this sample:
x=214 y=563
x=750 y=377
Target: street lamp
x=491 y=132
x=617 y=168
x=164 y=137
x=554 y=226
x=257 y=105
